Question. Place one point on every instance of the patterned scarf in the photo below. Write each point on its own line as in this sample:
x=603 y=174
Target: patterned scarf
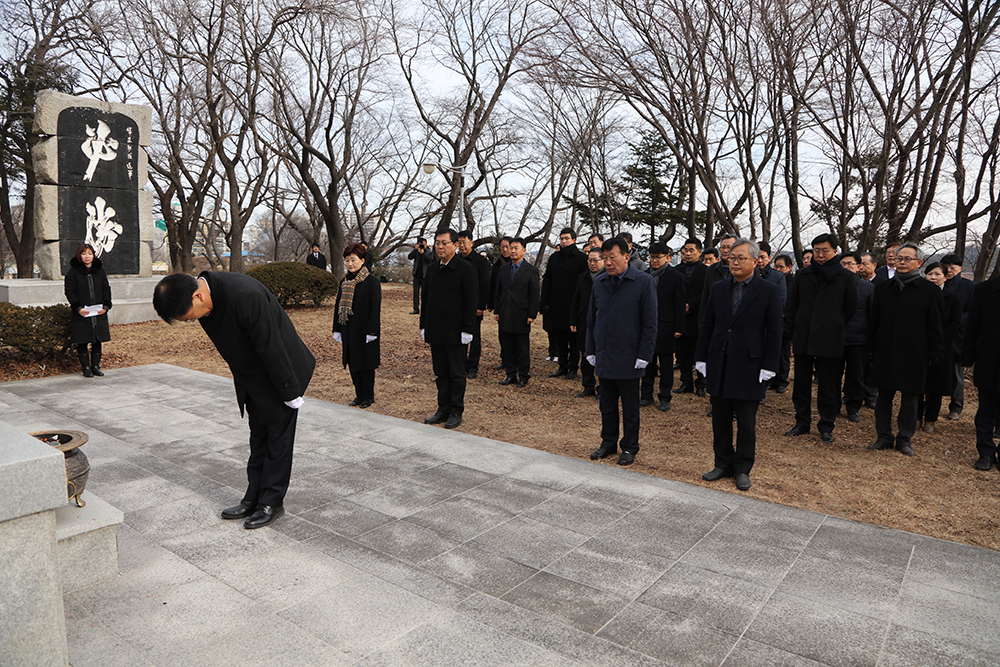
x=346 y=308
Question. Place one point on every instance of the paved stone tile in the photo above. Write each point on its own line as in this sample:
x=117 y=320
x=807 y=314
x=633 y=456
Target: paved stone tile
x=532 y=543
x=212 y=546
x=452 y=639
x=846 y=542
x=948 y=614
x=611 y=566
x=748 y=653
x=956 y=567
x=91 y=644
x=619 y=488
x=402 y=497
x=909 y=648
x=346 y=518
x=867 y=591
x=479 y=570
x=569 y=602
x=140 y=493
x=178 y=517
x=512 y=495
x=789 y=530
x=629 y=624
x=684 y=641
x=460 y=518
x=559 y=474
x=308 y=492
x=734 y=556
x=581 y=515
x=407 y=542
x=817 y=631
x=452 y=476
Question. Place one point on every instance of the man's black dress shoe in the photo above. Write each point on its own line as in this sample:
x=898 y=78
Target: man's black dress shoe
x=797 y=430
x=471 y=375
x=522 y=383
x=367 y=403
x=664 y=406
x=716 y=474
x=782 y=388
x=96 y=370
x=601 y=453
x=498 y=367
x=684 y=389
x=643 y=402
x=571 y=375
x=742 y=481
x=438 y=417
x=414 y=312
x=870 y=404
x=877 y=445
x=853 y=417
x=905 y=450
x=626 y=459
x=983 y=463
x=826 y=437
x=356 y=401
x=244 y=509
x=586 y=392
x=700 y=393
x=453 y=421
x=508 y=380
x=264 y=516
x=558 y=373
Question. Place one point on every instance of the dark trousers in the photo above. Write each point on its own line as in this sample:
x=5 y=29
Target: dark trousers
x=929 y=407
x=660 y=365
x=784 y=363
x=448 y=362
x=957 y=402
x=827 y=391
x=553 y=348
x=516 y=354
x=854 y=374
x=906 y=421
x=587 y=376
x=685 y=359
x=269 y=467
x=986 y=420
x=626 y=391
x=475 y=347
x=870 y=392
x=364 y=384
x=418 y=284
x=739 y=460
x=566 y=349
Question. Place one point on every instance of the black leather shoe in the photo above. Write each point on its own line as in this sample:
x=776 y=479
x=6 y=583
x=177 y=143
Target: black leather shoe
x=509 y=380
x=367 y=403
x=797 y=430
x=414 y=312
x=356 y=401
x=88 y=372
x=626 y=459
x=570 y=376
x=586 y=392
x=826 y=437
x=870 y=404
x=684 y=389
x=983 y=463
x=643 y=402
x=853 y=417
x=877 y=445
x=782 y=389
x=522 y=383
x=559 y=373
x=498 y=367
x=244 y=509
x=96 y=370
x=664 y=406
x=601 y=454
x=905 y=450
x=438 y=417
x=700 y=393
x=453 y=421
x=716 y=474
x=264 y=516
x=742 y=481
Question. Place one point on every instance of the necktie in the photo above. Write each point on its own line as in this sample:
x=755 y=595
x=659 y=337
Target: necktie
x=615 y=281
x=513 y=271
x=737 y=296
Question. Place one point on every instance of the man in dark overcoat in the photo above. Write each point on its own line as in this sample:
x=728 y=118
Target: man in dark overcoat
x=517 y=299
x=824 y=298
x=904 y=337
x=271 y=369
x=783 y=263
x=719 y=271
x=422 y=256
x=693 y=271
x=558 y=284
x=483 y=269
x=670 y=304
x=855 y=354
x=316 y=258
x=621 y=335
x=962 y=287
x=447 y=319
x=502 y=260
x=738 y=350
x=579 y=308
x=981 y=351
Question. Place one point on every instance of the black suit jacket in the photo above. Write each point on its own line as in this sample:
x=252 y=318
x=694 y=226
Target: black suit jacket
x=517 y=300
x=693 y=287
x=817 y=312
x=252 y=332
x=449 y=302
x=318 y=262
x=736 y=348
x=980 y=348
x=483 y=270
x=559 y=284
x=670 y=301
x=905 y=334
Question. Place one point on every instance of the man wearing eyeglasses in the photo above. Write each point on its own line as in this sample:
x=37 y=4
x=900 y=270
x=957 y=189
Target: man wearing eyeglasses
x=904 y=337
x=823 y=300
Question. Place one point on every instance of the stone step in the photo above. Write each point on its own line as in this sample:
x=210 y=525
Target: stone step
x=87 y=539
x=133 y=297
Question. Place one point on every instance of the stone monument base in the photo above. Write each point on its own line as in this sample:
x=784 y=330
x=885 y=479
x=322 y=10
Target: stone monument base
x=133 y=297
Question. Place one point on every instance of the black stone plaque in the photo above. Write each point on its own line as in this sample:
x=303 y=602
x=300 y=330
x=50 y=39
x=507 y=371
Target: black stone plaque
x=97 y=149
x=82 y=218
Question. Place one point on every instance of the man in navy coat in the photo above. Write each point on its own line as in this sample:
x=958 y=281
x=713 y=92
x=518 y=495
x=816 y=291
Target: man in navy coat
x=738 y=351
x=621 y=335
x=516 y=298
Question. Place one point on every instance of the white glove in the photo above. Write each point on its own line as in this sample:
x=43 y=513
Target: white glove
x=641 y=363
x=766 y=375
x=295 y=403
x=422 y=335
x=700 y=367
x=369 y=339
x=592 y=359
x=338 y=337
x=466 y=338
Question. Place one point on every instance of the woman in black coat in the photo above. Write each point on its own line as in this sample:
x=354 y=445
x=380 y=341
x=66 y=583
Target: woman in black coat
x=87 y=285
x=357 y=323
x=941 y=374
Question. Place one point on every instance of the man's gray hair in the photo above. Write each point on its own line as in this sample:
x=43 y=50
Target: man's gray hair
x=754 y=248
x=914 y=248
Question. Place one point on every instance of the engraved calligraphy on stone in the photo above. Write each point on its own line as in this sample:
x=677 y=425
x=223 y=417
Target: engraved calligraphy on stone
x=102 y=229
x=98 y=146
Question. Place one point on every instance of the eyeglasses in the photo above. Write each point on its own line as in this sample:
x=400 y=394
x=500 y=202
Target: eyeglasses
x=449 y=242
x=900 y=258
x=741 y=259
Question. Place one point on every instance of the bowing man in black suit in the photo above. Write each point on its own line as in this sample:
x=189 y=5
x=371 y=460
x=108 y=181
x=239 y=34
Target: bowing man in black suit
x=516 y=299
x=447 y=320
x=316 y=258
x=738 y=350
x=271 y=368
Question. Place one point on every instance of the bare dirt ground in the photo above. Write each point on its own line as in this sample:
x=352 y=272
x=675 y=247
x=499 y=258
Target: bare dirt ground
x=935 y=493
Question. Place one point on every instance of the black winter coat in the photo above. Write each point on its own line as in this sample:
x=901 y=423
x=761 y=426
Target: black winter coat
x=517 y=300
x=693 y=286
x=716 y=273
x=980 y=348
x=580 y=304
x=483 y=270
x=963 y=288
x=941 y=375
x=558 y=285
x=366 y=320
x=857 y=328
x=83 y=289
x=670 y=303
x=450 y=297
x=817 y=312
x=621 y=324
x=905 y=334
x=318 y=262
x=494 y=276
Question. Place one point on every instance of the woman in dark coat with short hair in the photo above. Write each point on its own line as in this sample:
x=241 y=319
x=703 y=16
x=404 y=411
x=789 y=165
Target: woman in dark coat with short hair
x=357 y=324
x=940 y=374
x=86 y=285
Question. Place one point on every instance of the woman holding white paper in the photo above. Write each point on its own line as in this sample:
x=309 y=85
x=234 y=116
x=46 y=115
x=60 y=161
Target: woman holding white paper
x=89 y=294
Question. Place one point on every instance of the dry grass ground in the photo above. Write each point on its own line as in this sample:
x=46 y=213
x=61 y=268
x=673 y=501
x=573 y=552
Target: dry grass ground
x=935 y=493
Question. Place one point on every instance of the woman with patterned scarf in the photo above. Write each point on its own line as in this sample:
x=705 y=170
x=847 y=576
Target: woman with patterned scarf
x=357 y=324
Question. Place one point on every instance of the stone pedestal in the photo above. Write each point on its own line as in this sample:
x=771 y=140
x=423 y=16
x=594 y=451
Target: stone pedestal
x=133 y=297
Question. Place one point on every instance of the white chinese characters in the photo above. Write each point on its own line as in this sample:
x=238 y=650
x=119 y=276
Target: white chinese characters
x=98 y=146
x=102 y=229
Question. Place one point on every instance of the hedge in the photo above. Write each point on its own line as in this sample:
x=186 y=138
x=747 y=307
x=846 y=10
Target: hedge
x=35 y=329
x=294 y=283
